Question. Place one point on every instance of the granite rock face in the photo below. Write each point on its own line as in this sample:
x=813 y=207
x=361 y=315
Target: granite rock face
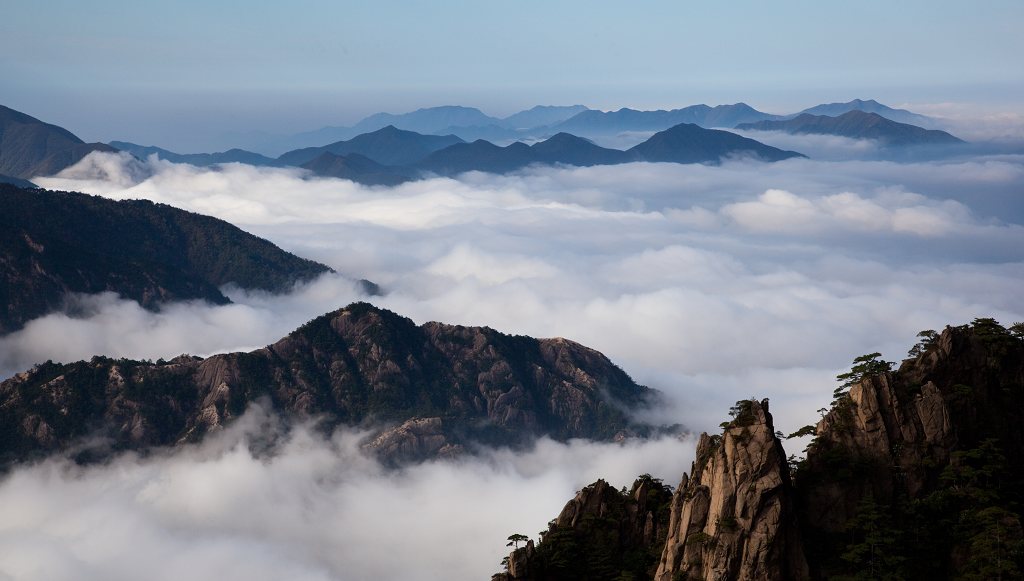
x=914 y=473
x=735 y=518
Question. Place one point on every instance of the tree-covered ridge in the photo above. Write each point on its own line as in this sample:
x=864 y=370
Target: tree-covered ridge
x=54 y=243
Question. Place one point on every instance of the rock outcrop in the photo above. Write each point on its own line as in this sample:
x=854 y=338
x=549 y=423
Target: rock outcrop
x=916 y=473
x=902 y=441
x=440 y=388
x=734 y=517
x=601 y=534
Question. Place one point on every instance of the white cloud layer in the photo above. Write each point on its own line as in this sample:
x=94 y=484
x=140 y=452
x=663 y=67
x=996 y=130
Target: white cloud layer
x=313 y=509
x=709 y=283
x=673 y=271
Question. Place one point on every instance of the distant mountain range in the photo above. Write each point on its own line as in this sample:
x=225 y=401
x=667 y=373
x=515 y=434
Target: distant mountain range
x=430 y=390
x=541 y=122
x=388 y=146
x=197 y=159
x=870 y=106
x=684 y=143
x=623 y=120
x=541 y=116
x=54 y=243
x=390 y=154
x=468 y=123
x=357 y=168
x=30 y=147
x=857 y=124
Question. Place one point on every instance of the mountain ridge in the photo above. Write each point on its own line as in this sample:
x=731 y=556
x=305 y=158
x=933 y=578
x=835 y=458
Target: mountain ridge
x=55 y=243
x=198 y=159
x=869 y=106
x=857 y=124
x=442 y=388
x=388 y=145
x=30 y=147
x=690 y=143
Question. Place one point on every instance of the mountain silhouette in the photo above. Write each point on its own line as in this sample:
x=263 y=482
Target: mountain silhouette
x=355 y=167
x=386 y=146
x=29 y=147
x=858 y=124
x=688 y=143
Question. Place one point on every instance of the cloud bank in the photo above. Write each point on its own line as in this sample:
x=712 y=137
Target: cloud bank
x=682 y=274
x=709 y=283
x=312 y=508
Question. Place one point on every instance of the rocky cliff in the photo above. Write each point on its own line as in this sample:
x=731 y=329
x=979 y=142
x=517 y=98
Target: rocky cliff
x=914 y=473
x=931 y=451
x=437 y=389
x=734 y=516
x=601 y=534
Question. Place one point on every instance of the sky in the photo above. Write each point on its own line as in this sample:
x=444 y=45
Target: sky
x=194 y=75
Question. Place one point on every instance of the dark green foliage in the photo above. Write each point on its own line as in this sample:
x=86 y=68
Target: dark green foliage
x=608 y=547
x=515 y=539
x=875 y=551
x=807 y=430
x=995 y=545
x=928 y=339
x=742 y=413
x=53 y=243
x=863 y=366
x=961 y=517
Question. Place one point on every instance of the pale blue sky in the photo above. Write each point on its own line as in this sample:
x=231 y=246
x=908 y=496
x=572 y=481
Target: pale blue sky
x=182 y=74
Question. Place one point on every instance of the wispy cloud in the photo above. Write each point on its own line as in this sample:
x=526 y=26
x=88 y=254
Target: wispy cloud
x=312 y=508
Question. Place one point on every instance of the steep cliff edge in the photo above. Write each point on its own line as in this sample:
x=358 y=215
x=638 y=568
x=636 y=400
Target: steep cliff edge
x=734 y=517
x=914 y=473
x=932 y=450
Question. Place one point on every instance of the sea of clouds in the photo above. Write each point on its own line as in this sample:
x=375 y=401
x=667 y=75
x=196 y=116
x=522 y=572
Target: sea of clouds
x=710 y=284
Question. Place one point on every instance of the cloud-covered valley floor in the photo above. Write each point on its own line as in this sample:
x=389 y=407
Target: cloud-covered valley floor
x=710 y=284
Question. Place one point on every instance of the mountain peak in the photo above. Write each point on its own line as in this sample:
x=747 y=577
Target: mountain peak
x=690 y=143
x=30 y=147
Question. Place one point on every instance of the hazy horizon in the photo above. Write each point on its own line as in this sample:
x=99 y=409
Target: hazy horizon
x=189 y=75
